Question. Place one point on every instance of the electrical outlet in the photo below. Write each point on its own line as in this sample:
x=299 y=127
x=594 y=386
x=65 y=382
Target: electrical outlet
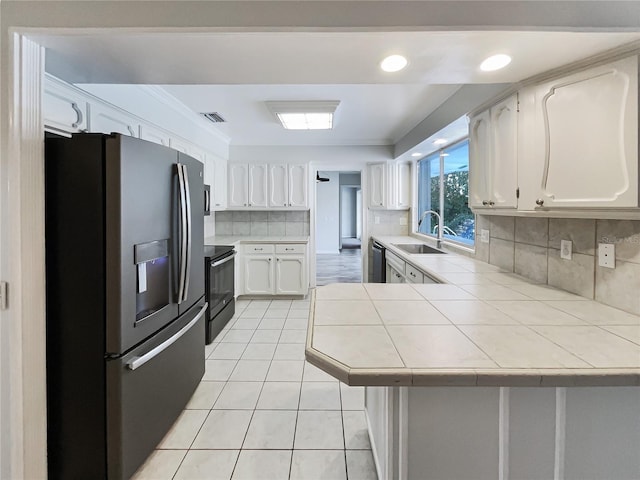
x=484 y=236
x=403 y=220
x=376 y=220
x=566 y=247
x=607 y=255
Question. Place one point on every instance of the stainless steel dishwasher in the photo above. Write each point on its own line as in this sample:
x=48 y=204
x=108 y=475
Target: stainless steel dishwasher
x=379 y=263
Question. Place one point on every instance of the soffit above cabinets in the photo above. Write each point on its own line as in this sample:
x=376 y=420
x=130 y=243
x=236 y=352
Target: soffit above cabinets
x=234 y=73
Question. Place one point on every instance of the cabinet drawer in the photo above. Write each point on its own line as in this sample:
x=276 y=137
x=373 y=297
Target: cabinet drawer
x=414 y=275
x=258 y=248
x=291 y=248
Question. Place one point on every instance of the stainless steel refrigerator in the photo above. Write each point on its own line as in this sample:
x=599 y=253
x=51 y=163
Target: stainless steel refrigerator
x=125 y=299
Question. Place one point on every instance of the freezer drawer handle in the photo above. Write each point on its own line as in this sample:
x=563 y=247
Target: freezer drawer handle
x=137 y=362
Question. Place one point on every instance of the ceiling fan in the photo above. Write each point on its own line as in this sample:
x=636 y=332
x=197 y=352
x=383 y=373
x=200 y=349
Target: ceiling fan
x=321 y=179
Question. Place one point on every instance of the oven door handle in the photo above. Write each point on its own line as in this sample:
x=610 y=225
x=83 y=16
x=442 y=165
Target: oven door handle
x=224 y=260
x=137 y=362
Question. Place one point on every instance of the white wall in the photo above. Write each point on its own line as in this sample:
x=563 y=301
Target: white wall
x=328 y=214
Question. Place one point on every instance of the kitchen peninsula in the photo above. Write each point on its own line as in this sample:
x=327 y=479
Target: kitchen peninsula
x=485 y=376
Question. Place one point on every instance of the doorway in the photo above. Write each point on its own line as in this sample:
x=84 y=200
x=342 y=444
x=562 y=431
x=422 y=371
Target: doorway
x=338 y=227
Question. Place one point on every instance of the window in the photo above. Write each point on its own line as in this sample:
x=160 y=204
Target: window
x=443 y=186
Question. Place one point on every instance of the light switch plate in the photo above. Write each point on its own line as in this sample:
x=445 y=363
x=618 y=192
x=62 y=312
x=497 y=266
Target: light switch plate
x=376 y=220
x=566 y=247
x=607 y=255
x=403 y=220
x=484 y=236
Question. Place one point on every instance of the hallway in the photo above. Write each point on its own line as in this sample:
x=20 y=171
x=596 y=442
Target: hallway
x=345 y=267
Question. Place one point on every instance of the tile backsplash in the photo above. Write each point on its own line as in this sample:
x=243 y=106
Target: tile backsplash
x=271 y=223
x=531 y=247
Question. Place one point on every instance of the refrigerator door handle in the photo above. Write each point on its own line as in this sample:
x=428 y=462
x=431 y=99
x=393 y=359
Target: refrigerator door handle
x=137 y=362
x=183 y=234
x=189 y=239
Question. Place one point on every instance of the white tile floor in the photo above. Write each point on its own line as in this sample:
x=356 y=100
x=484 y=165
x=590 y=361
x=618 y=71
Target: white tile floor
x=262 y=412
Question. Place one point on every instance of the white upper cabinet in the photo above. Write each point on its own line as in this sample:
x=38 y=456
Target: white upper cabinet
x=585 y=152
x=273 y=186
x=504 y=159
x=247 y=185
x=403 y=183
x=64 y=109
x=278 y=185
x=493 y=156
x=105 y=119
x=219 y=183
x=238 y=184
x=377 y=191
x=258 y=185
x=298 y=186
x=479 y=159
x=155 y=135
x=389 y=185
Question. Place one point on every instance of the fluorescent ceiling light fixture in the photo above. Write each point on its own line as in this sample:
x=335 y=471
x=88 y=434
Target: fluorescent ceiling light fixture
x=393 y=63
x=305 y=115
x=416 y=154
x=439 y=141
x=495 y=62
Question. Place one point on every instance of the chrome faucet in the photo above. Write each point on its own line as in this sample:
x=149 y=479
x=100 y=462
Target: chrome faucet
x=439 y=237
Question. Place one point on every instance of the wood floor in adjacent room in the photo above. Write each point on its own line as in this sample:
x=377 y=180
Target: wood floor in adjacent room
x=345 y=267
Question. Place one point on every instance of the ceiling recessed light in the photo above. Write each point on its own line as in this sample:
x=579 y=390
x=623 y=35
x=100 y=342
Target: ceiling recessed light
x=393 y=63
x=307 y=115
x=495 y=62
x=439 y=141
x=416 y=154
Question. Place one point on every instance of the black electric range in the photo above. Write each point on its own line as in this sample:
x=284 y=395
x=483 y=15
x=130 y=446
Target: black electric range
x=219 y=287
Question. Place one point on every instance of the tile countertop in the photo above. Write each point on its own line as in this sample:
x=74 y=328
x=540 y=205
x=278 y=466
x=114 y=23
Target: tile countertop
x=483 y=327
x=237 y=239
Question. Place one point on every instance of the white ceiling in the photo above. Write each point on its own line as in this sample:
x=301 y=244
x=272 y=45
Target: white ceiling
x=235 y=73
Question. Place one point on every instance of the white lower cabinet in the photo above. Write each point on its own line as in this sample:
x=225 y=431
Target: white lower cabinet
x=414 y=275
x=275 y=269
x=258 y=274
x=290 y=274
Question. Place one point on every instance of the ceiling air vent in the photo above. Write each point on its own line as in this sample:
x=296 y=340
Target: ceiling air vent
x=214 y=117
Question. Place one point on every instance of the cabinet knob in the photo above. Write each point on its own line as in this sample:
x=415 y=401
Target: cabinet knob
x=492 y=203
x=540 y=202
x=284 y=204
x=484 y=202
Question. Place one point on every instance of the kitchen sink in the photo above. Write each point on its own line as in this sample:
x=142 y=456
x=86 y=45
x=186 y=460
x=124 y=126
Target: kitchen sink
x=416 y=248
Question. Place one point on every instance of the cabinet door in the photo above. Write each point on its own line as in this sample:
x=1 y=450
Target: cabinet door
x=589 y=126
x=504 y=154
x=155 y=135
x=258 y=185
x=393 y=276
x=377 y=185
x=278 y=186
x=258 y=275
x=104 y=119
x=218 y=183
x=414 y=275
x=238 y=182
x=298 y=186
x=180 y=145
x=291 y=275
x=479 y=160
x=403 y=185
x=63 y=109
